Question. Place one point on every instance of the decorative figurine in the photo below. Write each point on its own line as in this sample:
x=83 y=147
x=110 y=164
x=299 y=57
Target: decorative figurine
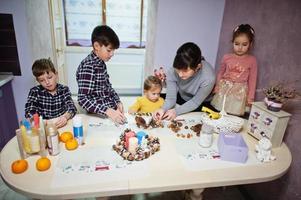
x=264 y=150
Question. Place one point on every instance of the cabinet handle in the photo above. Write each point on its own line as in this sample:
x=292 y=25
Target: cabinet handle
x=1 y=94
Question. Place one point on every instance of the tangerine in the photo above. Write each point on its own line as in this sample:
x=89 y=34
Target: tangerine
x=71 y=144
x=19 y=166
x=43 y=164
x=65 y=136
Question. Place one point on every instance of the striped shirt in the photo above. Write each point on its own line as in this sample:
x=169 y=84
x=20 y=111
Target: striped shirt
x=95 y=92
x=49 y=106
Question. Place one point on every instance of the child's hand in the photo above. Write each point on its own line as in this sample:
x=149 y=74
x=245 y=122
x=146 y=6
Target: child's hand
x=160 y=74
x=116 y=116
x=131 y=111
x=60 y=121
x=215 y=90
x=170 y=114
x=158 y=114
x=120 y=107
x=249 y=102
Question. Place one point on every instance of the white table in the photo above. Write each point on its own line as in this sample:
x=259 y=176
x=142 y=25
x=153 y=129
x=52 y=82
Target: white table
x=165 y=169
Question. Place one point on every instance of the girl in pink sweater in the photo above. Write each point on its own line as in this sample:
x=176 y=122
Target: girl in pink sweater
x=236 y=79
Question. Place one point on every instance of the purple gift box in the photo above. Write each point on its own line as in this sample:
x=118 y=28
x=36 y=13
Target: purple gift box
x=232 y=147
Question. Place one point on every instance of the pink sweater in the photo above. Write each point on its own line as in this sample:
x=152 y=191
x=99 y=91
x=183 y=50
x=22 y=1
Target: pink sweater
x=239 y=69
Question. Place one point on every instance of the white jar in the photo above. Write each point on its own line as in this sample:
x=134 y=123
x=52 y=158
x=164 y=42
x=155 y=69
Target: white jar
x=206 y=136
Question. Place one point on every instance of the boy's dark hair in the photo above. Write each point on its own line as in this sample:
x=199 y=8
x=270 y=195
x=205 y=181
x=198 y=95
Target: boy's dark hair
x=42 y=66
x=244 y=29
x=152 y=81
x=188 y=55
x=104 y=35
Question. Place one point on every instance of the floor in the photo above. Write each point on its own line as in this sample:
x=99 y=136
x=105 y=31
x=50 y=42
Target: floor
x=218 y=193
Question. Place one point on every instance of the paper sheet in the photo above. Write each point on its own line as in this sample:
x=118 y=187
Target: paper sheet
x=96 y=165
x=196 y=158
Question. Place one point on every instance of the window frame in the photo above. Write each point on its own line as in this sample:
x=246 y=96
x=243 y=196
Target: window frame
x=141 y=43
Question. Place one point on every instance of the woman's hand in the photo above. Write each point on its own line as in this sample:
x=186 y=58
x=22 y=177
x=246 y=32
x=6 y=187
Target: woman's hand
x=170 y=114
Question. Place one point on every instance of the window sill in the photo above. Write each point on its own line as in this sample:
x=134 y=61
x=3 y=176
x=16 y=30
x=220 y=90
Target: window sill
x=119 y=51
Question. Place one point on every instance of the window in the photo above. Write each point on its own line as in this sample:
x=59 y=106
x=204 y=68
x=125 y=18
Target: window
x=127 y=18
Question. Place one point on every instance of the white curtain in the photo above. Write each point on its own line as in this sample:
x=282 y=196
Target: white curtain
x=122 y=16
x=150 y=37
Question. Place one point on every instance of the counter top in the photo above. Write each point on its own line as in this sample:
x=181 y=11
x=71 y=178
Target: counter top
x=4 y=78
x=177 y=166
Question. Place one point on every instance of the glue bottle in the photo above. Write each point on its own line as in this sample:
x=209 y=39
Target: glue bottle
x=78 y=131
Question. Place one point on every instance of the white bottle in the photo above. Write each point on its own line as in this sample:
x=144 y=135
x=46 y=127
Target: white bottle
x=78 y=131
x=206 y=136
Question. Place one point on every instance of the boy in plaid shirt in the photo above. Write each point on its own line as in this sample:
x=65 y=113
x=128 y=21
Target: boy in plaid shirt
x=95 y=92
x=50 y=99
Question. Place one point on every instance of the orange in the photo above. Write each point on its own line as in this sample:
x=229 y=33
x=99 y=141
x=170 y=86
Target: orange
x=65 y=136
x=19 y=166
x=71 y=144
x=43 y=164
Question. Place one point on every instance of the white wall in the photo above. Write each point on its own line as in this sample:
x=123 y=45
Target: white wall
x=179 y=21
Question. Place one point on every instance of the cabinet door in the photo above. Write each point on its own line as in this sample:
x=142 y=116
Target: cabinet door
x=269 y=121
x=2 y=119
x=256 y=114
x=253 y=128
x=8 y=114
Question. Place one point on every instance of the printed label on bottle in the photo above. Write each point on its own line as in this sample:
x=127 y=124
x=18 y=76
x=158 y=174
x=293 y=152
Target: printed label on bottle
x=78 y=134
x=53 y=144
x=34 y=143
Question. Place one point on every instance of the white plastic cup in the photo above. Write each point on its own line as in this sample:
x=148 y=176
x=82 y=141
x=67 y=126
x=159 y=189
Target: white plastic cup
x=206 y=136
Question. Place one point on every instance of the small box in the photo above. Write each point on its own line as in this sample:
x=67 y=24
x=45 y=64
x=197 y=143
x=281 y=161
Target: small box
x=263 y=122
x=232 y=147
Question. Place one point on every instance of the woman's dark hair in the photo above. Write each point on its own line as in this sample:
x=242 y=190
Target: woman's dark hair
x=188 y=55
x=104 y=35
x=244 y=29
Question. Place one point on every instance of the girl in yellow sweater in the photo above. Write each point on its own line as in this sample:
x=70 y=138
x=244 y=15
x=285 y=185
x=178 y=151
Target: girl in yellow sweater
x=151 y=99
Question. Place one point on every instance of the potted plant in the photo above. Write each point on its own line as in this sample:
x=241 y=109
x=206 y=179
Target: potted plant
x=276 y=94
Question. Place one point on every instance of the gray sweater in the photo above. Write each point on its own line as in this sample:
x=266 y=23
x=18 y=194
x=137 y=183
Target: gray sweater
x=193 y=90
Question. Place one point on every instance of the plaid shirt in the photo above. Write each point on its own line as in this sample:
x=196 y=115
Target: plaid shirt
x=47 y=105
x=95 y=92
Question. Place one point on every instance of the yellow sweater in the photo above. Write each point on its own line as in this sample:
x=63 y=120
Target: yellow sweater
x=142 y=104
